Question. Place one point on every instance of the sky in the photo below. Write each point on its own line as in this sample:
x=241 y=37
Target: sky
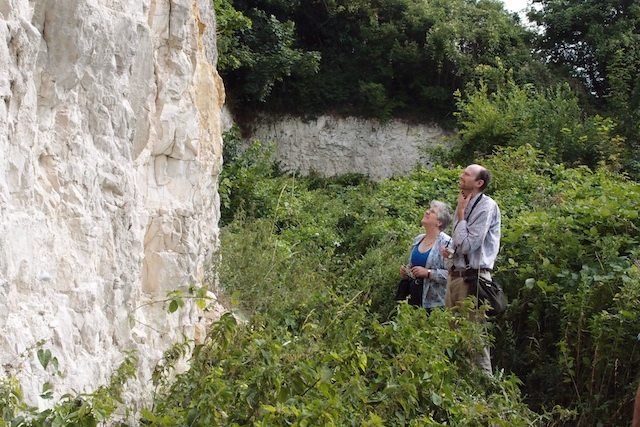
x=515 y=5
x=518 y=6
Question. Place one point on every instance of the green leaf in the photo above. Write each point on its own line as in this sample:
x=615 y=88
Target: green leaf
x=326 y=374
x=47 y=391
x=173 y=306
x=436 y=398
x=44 y=356
x=269 y=408
x=529 y=283
x=362 y=360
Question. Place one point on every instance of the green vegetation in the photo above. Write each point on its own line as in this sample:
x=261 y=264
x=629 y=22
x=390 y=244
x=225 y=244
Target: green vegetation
x=257 y=51
x=313 y=261
x=597 y=42
x=550 y=120
x=377 y=58
x=308 y=259
x=72 y=409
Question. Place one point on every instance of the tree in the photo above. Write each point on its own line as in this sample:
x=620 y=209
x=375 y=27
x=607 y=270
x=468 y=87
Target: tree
x=257 y=50
x=549 y=119
x=598 y=42
x=380 y=58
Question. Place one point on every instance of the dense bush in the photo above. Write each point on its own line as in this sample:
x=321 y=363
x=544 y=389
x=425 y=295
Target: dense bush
x=316 y=268
x=574 y=319
x=550 y=120
x=337 y=365
x=315 y=353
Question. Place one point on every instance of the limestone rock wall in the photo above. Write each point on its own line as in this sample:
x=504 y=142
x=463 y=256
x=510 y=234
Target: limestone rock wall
x=110 y=149
x=334 y=146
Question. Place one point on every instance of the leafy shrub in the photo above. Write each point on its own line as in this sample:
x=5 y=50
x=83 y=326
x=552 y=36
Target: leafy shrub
x=572 y=275
x=244 y=176
x=73 y=409
x=340 y=366
x=550 y=120
x=569 y=265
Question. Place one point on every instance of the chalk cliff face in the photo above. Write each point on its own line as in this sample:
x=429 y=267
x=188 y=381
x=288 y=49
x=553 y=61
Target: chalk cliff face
x=110 y=148
x=334 y=146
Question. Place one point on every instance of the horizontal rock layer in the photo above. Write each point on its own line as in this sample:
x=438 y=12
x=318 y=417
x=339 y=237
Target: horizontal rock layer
x=333 y=146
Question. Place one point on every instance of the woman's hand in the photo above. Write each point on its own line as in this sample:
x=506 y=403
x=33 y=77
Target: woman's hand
x=421 y=272
x=403 y=273
x=444 y=252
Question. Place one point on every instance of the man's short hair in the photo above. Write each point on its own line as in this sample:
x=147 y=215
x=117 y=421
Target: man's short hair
x=485 y=176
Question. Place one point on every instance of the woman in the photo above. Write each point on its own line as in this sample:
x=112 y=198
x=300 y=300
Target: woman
x=426 y=274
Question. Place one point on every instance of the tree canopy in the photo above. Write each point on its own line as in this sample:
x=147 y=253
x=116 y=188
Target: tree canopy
x=377 y=58
x=597 y=42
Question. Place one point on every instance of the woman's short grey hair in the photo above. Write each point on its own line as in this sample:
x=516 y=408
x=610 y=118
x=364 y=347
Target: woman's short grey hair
x=443 y=213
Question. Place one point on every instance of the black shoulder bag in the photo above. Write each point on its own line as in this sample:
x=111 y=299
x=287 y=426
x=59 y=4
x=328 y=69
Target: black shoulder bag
x=412 y=288
x=487 y=292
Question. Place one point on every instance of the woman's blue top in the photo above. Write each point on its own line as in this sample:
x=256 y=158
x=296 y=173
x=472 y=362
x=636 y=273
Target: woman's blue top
x=419 y=258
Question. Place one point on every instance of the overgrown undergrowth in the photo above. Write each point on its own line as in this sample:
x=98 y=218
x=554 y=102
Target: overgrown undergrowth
x=314 y=262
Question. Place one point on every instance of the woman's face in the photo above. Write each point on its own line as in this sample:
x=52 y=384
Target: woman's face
x=430 y=218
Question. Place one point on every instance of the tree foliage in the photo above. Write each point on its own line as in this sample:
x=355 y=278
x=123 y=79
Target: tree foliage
x=256 y=51
x=594 y=40
x=598 y=42
x=385 y=58
x=551 y=120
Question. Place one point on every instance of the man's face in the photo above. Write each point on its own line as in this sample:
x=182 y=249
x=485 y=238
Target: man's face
x=468 y=178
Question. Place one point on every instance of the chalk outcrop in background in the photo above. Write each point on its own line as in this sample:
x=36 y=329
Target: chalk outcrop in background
x=333 y=146
x=110 y=148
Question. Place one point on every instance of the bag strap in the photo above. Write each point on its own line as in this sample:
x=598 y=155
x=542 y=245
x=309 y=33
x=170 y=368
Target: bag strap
x=474 y=206
x=466 y=258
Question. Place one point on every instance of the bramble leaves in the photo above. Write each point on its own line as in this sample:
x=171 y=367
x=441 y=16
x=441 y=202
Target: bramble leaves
x=315 y=268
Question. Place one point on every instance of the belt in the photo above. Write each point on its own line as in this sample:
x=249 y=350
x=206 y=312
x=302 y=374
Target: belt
x=467 y=272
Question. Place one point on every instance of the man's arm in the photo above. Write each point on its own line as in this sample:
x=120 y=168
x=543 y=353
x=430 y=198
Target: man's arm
x=468 y=236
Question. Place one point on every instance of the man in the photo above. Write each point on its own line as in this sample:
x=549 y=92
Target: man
x=475 y=240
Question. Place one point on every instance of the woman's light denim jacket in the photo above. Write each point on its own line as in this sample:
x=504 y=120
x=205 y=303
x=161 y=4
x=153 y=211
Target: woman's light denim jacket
x=435 y=287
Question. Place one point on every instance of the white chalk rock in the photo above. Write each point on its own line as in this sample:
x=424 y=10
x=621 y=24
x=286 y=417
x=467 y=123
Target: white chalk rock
x=110 y=150
x=333 y=146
